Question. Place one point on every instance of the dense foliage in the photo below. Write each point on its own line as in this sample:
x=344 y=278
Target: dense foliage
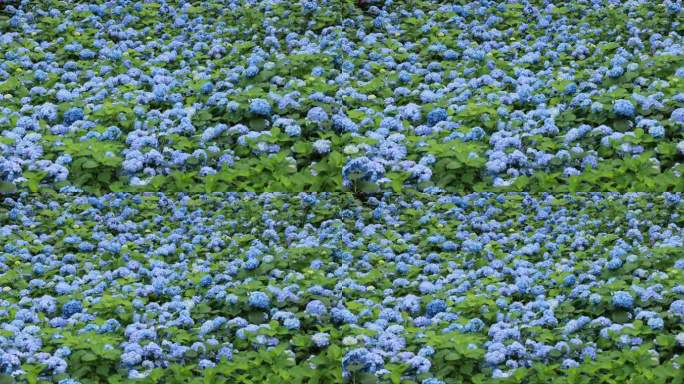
x=320 y=95
x=322 y=288
x=124 y=124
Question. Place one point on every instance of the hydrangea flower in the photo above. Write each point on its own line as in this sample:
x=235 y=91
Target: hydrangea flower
x=259 y=300
x=677 y=116
x=363 y=168
x=317 y=115
x=361 y=359
x=322 y=146
x=622 y=299
x=71 y=307
x=73 y=115
x=321 y=339
x=677 y=308
x=436 y=115
x=624 y=108
x=260 y=107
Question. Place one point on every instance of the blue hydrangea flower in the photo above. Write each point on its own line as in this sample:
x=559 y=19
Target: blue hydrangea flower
x=436 y=115
x=677 y=116
x=73 y=115
x=251 y=71
x=622 y=299
x=361 y=360
x=657 y=131
x=310 y=6
x=569 y=363
x=362 y=168
x=291 y=323
x=435 y=306
x=656 y=323
x=432 y=381
x=259 y=300
x=207 y=88
x=321 y=339
x=260 y=107
x=71 y=307
x=677 y=308
x=316 y=308
x=317 y=115
x=495 y=357
x=624 y=108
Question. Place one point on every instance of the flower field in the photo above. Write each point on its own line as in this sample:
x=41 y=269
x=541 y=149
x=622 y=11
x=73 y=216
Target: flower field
x=341 y=191
x=325 y=288
x=228 y=95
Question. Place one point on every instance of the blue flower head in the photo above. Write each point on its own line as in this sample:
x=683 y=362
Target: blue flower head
x=435 y=307
x=260 y=107
x=310 y=6
x=316 y=308
x=656 y=323
x=677 y=116
x=342 y=316
x=73 y=115
x=624 y=108
x=259 y=300
x=657 y=131
x=432 y=381
x=677 y=308
x=206 y=281
x=251 y=71
x=321 y=339
x=40 y=75
x=71 y=307
x=207 y=88
x=291 y=323
x=362 y=360
x=366 y=169
x=622 y=299
x=317 y=115
x=436 y=115
x=404 y=76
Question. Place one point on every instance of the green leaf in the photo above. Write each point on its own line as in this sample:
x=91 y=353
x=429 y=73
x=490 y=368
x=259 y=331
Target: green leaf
x=454 y=164
x=33 y=180
x=452 y=356
x=620 y=316
x=665 y=340
x=302 y=147
x=89 y=357
x=7 y=187
x=258 y=124
x=89 y=164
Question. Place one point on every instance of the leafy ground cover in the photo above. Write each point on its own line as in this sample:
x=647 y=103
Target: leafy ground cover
x=321 y=288
x=323 y=96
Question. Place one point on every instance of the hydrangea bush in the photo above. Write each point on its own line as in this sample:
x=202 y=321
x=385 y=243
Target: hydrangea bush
x=324 y=95
x=324 y=288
